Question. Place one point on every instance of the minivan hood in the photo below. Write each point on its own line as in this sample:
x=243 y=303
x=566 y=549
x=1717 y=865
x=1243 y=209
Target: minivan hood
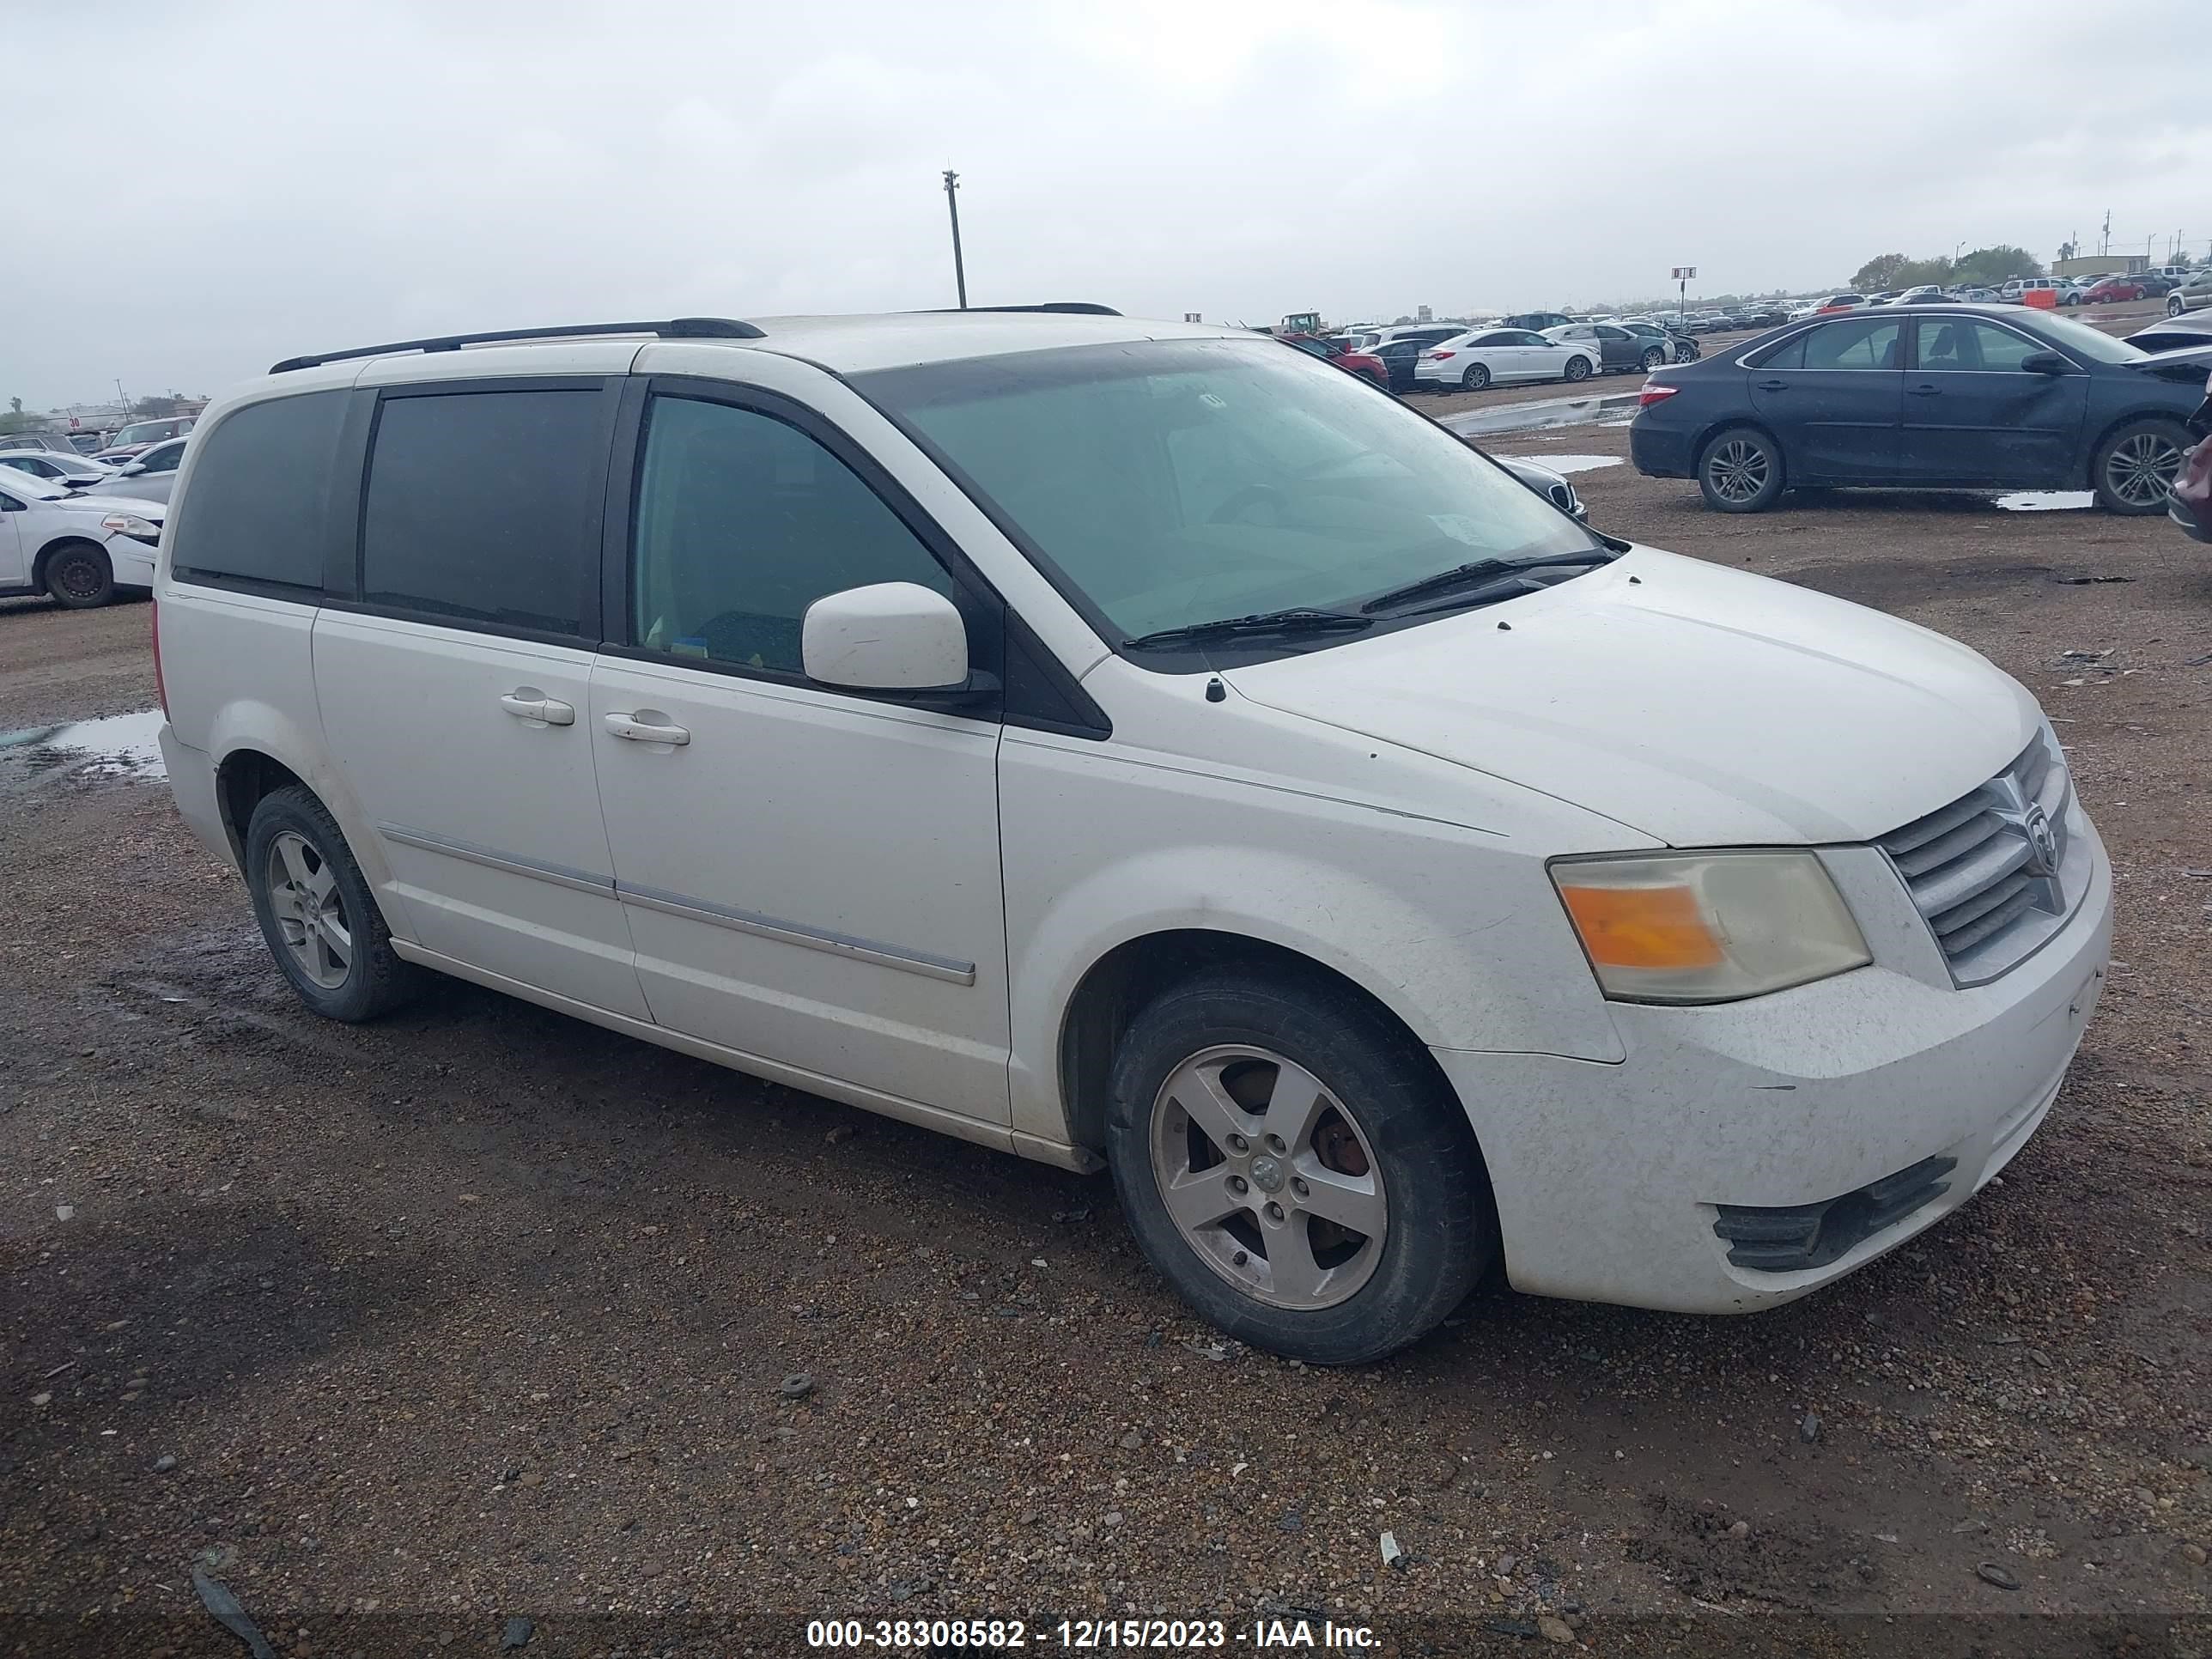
x=1703 y=705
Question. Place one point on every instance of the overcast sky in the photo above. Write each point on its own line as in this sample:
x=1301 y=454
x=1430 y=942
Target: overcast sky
x=231 y=183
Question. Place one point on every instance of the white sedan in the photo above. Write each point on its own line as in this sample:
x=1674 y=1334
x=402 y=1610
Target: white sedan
x=70 y=471
x=77 y=549
x=1501 y=356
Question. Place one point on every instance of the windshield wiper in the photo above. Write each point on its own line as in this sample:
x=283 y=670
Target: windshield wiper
x=1478 y=570
x=1298 y=620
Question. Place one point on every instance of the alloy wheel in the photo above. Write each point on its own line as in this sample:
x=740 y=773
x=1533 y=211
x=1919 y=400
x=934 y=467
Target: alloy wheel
x=1738 y=470
x=310 y=911
x=2141 y=469
x=1269 y=1177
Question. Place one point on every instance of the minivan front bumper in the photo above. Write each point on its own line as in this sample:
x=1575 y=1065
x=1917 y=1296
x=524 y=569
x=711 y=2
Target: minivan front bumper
x=1818 y=1113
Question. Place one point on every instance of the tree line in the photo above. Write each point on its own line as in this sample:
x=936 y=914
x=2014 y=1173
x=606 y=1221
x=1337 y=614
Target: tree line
x=1985 y=267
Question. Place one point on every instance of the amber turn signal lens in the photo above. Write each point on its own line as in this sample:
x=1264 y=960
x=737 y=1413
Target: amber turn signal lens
x=1642 y=926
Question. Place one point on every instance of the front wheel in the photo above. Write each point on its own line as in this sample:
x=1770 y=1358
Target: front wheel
x=79 y=576
x=1475 y=379
x=1653 y=357
x=2136 y=465
x=2173 y=306
x=317 y=913
x=1740 y=471
x=1293 y=1165
x=1579 y=369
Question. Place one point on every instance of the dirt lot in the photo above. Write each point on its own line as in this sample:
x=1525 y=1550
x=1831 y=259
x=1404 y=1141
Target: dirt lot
x=478 y=1312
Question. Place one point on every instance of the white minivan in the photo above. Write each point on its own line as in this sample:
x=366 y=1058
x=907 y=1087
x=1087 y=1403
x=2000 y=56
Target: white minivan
x=1133 y=742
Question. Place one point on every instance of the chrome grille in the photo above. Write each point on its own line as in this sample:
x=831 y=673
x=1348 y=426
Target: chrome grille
x=1996 y=872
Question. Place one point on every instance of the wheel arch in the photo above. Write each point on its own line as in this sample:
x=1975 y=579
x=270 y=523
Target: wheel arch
x=45 y=556
x=2086 y=463
x=1713 y=428
x=1133 y=974
x=243 y=779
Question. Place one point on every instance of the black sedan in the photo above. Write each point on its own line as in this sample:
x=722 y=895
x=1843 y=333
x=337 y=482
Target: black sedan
x=1399 y=357
x=1939 y=397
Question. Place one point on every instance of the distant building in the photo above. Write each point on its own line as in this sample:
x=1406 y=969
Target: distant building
x=1424 y=314
x=2096 y=264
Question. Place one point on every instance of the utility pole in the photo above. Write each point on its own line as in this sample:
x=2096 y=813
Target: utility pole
x=121 y=398
x=952 y=204
x=2105 y=241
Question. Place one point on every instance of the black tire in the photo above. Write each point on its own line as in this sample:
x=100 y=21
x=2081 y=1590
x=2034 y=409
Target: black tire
x=2136 y=464
x=2173 y=306
x=376 y=981
x=1440 y=1233
x=1578 y=367
x=1740 y=471
x=79 y=576
x=1653 y=357
x=1476 y=378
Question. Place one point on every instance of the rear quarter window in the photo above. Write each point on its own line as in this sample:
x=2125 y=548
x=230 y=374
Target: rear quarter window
x=484 y=506
x=257 y=509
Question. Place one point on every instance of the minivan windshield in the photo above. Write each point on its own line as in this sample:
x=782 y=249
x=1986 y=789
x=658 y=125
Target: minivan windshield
x=1169 y=484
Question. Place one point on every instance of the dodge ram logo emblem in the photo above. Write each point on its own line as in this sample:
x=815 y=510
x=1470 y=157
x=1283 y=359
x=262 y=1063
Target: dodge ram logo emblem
x=2042 y=841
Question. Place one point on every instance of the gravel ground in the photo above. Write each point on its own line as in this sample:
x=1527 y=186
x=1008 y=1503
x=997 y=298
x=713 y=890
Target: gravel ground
x=405 y=1330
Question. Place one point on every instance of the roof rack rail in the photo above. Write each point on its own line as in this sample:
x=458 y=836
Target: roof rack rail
x=675 y=328
x=1064 y=307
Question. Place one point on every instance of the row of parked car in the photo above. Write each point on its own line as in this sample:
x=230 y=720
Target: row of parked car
x=146 y=472
x=80 y=527
x=1543 y=346
x=2182 y=291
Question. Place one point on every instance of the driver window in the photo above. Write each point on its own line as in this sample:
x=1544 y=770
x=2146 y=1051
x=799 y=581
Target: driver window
x=743 y=521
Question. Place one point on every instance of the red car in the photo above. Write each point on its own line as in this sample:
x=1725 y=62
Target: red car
x=2112 y=288
x=1353 y=363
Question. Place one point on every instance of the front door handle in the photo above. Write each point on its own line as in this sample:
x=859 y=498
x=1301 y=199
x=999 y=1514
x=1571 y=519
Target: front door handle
x=646 y=726
x=1774 y=385
x=1925 y=391
x=527 y=702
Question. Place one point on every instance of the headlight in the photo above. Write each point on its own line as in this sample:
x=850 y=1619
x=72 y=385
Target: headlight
x=129 y=524
x=1708 y=926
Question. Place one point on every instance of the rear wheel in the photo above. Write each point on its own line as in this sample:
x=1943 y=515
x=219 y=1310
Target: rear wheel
x=1292 y=1165
x=2136 y=464
x=79 y=575
x=317 y=913
x=1740 y=471
x=1475 y=379
x=1579 y=369
x=1653 y=357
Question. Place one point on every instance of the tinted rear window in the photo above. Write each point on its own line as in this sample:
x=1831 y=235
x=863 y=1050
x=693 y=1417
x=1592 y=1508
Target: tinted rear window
x=256 y=508
x=484 y=505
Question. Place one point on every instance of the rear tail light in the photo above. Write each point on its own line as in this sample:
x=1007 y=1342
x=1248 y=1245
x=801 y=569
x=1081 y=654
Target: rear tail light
x=1655 y=393
x=160 y=690
x=1438 y=356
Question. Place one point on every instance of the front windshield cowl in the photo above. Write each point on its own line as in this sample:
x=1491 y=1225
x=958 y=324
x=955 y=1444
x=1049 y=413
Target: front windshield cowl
x=1168 y=487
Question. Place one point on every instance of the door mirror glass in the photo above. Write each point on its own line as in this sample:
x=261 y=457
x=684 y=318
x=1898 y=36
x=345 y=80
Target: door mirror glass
x=2045 y=362
x=888 y=637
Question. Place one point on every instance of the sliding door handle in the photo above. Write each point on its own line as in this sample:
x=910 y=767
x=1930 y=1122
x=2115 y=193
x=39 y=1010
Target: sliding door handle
x=527 y=702
x=646 y=726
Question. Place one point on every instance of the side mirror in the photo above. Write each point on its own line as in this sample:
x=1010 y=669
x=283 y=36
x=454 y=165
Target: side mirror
x=889 y=636
x=2046 y=363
